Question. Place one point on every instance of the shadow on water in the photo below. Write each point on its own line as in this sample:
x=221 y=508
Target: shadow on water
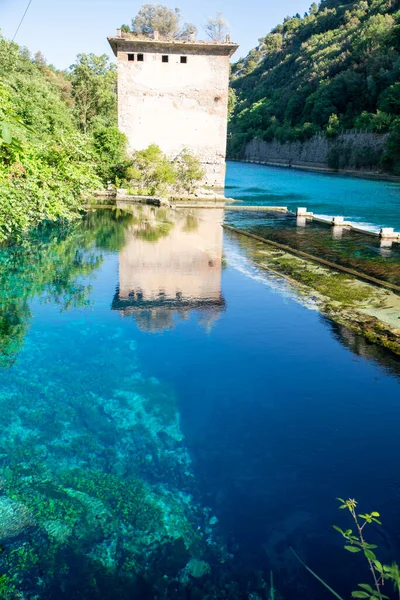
x=177 y=445
x=260 y=196
x=363 y=348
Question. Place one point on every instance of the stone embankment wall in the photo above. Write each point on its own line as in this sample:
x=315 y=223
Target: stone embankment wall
x=347 y=151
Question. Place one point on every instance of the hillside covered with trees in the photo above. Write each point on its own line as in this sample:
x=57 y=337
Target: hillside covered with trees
x=335 y=68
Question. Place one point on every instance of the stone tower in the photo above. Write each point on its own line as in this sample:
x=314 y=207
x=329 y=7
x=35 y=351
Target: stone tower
x=174 y=93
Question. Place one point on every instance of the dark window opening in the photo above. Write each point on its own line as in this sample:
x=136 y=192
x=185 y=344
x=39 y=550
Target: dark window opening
x=140 y=57
x=165 y=58
x=131 y=57
x=184 y=60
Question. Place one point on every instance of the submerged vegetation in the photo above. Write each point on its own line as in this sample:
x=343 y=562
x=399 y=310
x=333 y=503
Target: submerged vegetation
x=335 y=68
x=361 y=307
x=95 y=480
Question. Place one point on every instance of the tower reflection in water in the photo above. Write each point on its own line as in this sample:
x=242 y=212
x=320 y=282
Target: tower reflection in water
x=170 y=266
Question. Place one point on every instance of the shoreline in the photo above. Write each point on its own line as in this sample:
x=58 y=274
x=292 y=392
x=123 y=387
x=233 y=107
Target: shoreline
x=365 y=306
x=374 y=175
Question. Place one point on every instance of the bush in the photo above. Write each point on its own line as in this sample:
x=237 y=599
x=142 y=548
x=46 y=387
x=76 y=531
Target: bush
x=152 y=172
x=188 y=171
x=110 y=146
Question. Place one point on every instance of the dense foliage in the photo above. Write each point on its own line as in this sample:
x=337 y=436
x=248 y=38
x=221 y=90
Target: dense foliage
x=152 y=172
x=58 y=136
x=334 y=69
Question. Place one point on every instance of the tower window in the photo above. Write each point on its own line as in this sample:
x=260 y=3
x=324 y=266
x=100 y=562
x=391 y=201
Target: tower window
x=140 y=58
x=165 y=58
x=183 y=60
x=131 y=57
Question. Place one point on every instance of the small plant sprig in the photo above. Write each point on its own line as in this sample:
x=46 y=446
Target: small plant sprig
x=357 y=543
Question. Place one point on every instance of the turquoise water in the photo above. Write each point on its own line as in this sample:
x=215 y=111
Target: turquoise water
x=174 y=420
x=361 y=200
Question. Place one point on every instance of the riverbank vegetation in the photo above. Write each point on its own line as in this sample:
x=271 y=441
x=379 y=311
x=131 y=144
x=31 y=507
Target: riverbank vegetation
x=59 y=140
x=151 y=172
x=58 y=136
x=335 y=68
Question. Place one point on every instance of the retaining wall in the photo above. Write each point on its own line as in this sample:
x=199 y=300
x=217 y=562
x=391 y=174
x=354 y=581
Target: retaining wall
x=350 y=150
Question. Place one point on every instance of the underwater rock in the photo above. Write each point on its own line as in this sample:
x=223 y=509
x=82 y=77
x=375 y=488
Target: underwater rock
x=196 y=568
x=106 y=553
x=103 y=467
x=15 y=518
x=57 y=530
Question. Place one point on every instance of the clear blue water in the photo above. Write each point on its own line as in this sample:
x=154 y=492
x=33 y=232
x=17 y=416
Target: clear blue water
x=361 y=200
x=174 y=420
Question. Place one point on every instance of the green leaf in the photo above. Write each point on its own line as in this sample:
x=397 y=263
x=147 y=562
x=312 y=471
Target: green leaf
x=375 y=514
x=367 y=587
x=369 y=554
x=338 y=529
x=6 y=134
x=386 y=568
x=378 y=566
x=360 y=595
x=352 y=549
x=367 y=517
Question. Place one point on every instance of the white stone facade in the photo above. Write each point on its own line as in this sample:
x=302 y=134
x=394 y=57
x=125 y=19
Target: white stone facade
x=175 y=94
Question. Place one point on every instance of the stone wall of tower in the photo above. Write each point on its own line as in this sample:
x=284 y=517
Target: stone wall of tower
x=182 y=103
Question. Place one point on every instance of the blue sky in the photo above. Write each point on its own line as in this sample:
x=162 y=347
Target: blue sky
x=61 y=29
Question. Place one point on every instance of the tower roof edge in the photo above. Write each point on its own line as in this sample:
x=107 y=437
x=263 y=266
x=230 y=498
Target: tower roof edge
x=126 y=41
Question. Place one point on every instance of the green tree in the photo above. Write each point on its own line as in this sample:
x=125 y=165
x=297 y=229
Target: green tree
x=333 y=127
x=93 y=81
x=153 y=172
x=157 y=17
x=110 y=147
x=391 y=158
x=189 y=171
x=389 y=100
x=216 y=28
x=46 y=163
x=232 y=100
x=340 y=59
